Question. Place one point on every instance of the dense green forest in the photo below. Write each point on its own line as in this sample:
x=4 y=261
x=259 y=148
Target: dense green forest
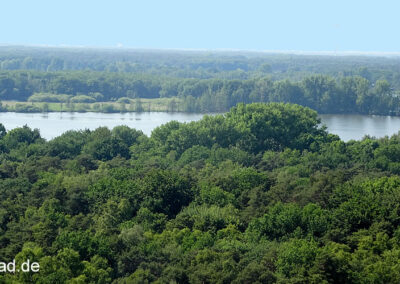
x=260 y=194
x=83 y=79
x=81 y=89
x=201 y=64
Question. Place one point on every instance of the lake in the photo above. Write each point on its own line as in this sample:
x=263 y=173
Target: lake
x=354 y=126
x=53 y=124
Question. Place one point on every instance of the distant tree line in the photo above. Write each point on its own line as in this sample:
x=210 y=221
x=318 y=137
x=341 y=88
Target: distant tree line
x=200 y=64
x=352 y=94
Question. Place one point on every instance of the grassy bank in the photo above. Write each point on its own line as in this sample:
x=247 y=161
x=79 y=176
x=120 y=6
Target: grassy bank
x=132 y=105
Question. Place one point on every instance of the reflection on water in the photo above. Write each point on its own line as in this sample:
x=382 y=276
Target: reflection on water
x=53 y=124
x=357 y=126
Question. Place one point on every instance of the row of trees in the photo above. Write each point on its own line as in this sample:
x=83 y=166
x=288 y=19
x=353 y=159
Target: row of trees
x=258 y=195
x=322 y=93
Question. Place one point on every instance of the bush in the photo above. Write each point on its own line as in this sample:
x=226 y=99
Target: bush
x=19 y=107
x=108 y=108
x=83 y=99
x=124 y=100
x=49 y=98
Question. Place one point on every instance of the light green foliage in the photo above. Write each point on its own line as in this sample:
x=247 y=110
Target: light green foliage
x=82 y=99
x=261 y=194
x=194 y=82
x=47 y=97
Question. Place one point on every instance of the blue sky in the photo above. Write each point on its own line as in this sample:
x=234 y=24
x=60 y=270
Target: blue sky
x=306 y=25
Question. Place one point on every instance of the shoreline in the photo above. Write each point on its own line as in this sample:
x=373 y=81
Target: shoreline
x=134 y=105
x=157 y=110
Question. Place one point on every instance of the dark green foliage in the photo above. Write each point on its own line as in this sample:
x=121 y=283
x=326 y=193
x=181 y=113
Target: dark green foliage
x=20 y=137
x=68 y=145
x=261 y=194
x=165 y=192
x=2 y=131
x=326 y=92
x=105 y=144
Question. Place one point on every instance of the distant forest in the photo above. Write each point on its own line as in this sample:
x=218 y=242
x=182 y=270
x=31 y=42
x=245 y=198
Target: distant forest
x=201 y=81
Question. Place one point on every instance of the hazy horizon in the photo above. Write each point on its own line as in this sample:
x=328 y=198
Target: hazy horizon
x=216 y=50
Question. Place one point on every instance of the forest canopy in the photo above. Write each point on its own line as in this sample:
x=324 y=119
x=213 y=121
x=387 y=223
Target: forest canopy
x=261 y=194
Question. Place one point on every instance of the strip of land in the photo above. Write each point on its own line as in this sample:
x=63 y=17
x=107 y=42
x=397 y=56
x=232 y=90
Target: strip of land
x=133 y=105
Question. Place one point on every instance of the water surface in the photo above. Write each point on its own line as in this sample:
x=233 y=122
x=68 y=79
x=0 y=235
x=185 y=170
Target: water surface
x=349 y=126
x=53 y=124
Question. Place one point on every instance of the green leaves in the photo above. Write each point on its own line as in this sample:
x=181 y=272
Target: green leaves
x=253 y=128
x=289 y=220
x=258 y=195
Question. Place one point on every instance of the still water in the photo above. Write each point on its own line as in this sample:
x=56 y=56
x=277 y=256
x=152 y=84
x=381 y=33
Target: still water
x=53 y=124
x=349 y=126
